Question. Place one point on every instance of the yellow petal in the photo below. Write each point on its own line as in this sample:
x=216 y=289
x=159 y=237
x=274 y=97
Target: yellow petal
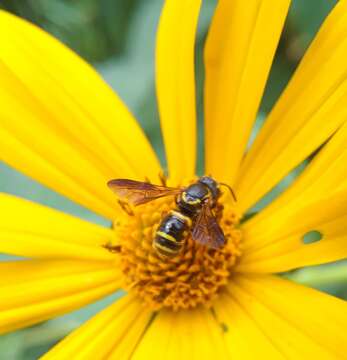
x=281 y=247
x=244 y=339
x=176 y=84
x=33 y=291
x=239 y=51
x=295 y=321
x=310 y=110
x=69 y=130
x=126 y=346
x=101 y=336
x=32 y=230
x=16 y=271
x=324 y=174
x=188 y=334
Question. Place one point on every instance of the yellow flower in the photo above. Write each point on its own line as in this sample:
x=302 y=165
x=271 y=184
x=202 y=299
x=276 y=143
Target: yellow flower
x=61 y=125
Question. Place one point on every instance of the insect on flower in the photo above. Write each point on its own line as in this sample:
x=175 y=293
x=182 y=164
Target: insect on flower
x=194 y=212
x=60 y=124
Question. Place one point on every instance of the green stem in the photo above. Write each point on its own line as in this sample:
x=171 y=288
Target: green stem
x=321 y=275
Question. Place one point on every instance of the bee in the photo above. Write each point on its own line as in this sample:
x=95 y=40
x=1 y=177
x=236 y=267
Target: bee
x=194 y=212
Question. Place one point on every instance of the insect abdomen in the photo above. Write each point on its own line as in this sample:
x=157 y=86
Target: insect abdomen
x=168 y=240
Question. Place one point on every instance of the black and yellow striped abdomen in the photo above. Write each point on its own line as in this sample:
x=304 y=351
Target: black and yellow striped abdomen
x=169 y=238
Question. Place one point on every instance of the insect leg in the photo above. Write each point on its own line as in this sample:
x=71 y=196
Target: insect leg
x=163 y=178
x=125 y=206
x=112 y=248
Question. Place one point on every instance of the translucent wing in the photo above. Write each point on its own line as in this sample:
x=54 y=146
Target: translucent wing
x=206 y=230
x=137 y=192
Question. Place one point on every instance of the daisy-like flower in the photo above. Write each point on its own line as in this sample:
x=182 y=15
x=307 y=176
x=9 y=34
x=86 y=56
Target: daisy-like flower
x=61 y=125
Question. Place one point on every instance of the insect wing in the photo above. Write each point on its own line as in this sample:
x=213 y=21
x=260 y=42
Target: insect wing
x=206 y=230
x=137 y=192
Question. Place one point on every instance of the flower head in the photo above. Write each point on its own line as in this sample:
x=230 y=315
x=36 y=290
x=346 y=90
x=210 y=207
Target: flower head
x=63 y=126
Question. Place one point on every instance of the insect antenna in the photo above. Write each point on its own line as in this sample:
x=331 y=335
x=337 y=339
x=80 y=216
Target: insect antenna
x=230 y=189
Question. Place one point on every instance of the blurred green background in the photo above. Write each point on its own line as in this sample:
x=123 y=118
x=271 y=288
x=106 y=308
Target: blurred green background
x=118 y=38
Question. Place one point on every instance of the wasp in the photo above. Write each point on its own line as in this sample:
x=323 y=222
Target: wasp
x=194 y=212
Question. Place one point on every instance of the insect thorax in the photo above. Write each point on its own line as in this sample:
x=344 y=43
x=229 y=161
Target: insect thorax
x=192 y=199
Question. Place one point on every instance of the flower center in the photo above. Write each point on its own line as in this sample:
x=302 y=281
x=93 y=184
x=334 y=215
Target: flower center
x=193 y=276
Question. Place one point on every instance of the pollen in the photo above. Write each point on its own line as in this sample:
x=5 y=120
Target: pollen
x=195 y=276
